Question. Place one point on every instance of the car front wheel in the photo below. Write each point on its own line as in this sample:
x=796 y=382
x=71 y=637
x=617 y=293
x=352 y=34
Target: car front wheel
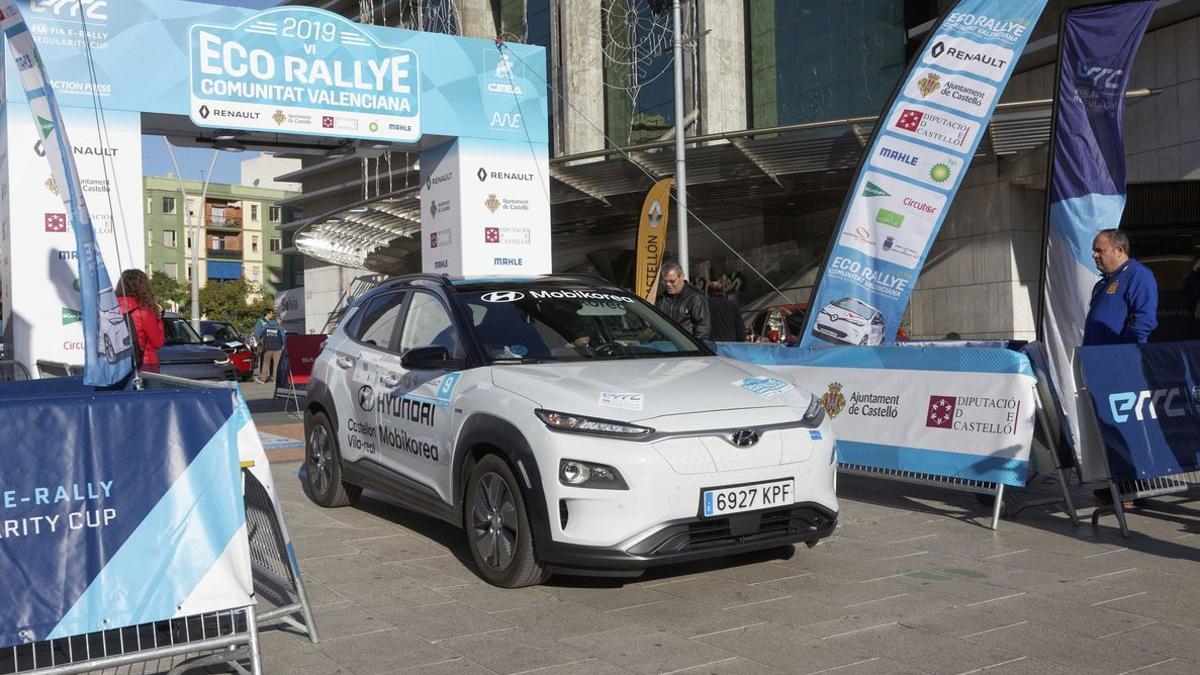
x=323 y=466
x=497 y=527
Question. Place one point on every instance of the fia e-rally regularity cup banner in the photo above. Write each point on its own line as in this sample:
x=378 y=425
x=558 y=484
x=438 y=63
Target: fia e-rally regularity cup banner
x=916 y=161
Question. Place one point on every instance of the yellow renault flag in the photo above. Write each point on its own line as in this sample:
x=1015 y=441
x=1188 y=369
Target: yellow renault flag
x=652 y=238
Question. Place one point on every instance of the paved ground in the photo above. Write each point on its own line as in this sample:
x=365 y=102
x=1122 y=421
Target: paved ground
x=912 y=582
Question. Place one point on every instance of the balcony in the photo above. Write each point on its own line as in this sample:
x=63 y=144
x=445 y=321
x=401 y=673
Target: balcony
x=225 y=254
x=225 y=223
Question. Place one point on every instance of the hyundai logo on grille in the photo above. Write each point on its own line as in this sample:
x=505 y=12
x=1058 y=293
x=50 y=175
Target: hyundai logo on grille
x=744 y=438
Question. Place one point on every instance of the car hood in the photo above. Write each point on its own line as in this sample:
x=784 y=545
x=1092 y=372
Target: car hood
x=640 y=390
x=190 y=353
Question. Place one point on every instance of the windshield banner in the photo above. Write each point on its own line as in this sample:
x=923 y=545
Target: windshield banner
x=1087 y=173
x=108 y=345
x=954 y=412
x=912 y=169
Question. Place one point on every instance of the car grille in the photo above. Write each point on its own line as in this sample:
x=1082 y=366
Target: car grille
x=742 y=528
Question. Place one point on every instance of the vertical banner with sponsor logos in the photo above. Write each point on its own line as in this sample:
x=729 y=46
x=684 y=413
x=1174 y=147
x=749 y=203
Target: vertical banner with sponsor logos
x=955 y=412
x=1087 y=173
x=652 y=239
x=912 y=169
x=485 y=208
x=1146 y=399
x=107 y=342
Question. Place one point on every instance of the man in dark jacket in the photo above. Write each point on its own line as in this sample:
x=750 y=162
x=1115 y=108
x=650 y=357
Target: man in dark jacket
x=683 y=303
x=727 y=324
x=1125 y=300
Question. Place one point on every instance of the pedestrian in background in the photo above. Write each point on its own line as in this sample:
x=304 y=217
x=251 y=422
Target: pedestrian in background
x=136 y=299
x=1124 y=304
x=726 y=320
x=682 y=303
x=269 y=334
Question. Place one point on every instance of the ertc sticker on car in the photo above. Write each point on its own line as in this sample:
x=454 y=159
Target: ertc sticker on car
x=624 y=401
x=766 y=387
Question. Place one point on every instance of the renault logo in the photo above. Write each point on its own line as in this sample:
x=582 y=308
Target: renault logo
x=744 y=438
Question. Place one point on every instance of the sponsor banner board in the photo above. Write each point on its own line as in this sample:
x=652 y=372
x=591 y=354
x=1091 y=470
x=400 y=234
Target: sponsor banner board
x=953 y=412
x=914 y=165
x=1087 y=176
x=287 y=70
x=1146 y=399
x=652 y=238
x=130 y=522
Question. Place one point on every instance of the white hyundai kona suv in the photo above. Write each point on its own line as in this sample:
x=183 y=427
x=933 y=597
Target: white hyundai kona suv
x=566 y=425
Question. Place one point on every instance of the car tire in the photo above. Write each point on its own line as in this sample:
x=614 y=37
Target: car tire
x=323 y=466
x=496 y=523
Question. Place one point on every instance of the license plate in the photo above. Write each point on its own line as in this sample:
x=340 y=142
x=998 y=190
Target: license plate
x=723 y=501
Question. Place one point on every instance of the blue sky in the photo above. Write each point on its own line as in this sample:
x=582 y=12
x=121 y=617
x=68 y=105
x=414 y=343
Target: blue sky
x=194 y=161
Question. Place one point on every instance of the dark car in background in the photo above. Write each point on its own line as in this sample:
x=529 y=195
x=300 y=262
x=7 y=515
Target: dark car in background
x=184 y=353
x=223 y=335
x=782 y=323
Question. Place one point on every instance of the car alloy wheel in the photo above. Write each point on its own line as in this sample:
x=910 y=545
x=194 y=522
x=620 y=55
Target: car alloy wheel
x=323 y=467
x=497 y=526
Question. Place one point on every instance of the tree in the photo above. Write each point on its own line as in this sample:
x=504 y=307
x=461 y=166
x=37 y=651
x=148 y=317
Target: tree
x=168 y=292
x=237 y=301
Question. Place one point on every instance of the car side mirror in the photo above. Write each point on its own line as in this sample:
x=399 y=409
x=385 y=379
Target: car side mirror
x=433 y=357
x=208 y=338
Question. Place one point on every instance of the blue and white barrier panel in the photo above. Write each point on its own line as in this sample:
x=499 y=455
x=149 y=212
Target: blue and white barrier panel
x=118 y=508
x=958 y=413
x=1147 y=403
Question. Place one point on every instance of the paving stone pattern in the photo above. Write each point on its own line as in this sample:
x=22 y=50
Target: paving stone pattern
x=911 y=582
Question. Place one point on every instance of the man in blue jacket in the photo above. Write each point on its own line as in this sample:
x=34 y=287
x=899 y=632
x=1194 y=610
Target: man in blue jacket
x=1125 y=300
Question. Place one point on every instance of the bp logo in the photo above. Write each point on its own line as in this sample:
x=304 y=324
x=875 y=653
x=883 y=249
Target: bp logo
x=654 y=214
x=366 y=398
x=373 y=126
x=492 y=203
x=832 y=400
x=502 y=296
x=939 y=173
x=929 y=84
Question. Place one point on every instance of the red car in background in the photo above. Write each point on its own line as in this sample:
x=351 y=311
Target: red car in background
x=782 y=323
x=222 y=334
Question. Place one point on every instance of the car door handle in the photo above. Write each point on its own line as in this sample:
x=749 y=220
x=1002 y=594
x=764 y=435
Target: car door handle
x=345 y=362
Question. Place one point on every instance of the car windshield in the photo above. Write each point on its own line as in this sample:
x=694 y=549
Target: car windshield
x=525 y=324
x=179 y=332
x=856 y=306
x=222 y=332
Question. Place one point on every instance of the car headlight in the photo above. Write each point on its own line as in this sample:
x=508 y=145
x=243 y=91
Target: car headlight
x=815 y=414
x=589 y=475
x=559 y=421
x=222 y=362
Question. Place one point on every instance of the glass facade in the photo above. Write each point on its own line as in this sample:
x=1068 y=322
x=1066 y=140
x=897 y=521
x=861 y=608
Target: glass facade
x=639 y=85
x=813 y=60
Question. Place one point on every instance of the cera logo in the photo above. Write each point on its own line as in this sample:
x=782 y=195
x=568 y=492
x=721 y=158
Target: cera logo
x=92 y=9
x=1172 y=402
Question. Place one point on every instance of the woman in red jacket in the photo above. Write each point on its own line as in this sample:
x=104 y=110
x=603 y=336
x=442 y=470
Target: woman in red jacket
x=137 y=300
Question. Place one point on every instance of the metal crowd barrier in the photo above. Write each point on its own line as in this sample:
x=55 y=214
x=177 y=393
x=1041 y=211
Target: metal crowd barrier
x=13 y=371
x=933 y=480
x=1131 y=490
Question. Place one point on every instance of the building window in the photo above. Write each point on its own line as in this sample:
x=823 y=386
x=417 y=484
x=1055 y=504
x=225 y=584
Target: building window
x=149 y=238
x=169 y=238
x=254 y=274
x=254 y=212
x=171 y=270
x=810 y=62
x=254 y=243
x=639 y=97
x=149 y=205
x=168 y=204
x=189 y=241
x=274 y=213
x=276 y=244
x=149 y=269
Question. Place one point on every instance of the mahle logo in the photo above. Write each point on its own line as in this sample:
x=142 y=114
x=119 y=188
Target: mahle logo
x=873 y=190
x=889 y=218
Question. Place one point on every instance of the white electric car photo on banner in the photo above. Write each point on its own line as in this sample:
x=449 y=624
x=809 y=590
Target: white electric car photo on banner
x=565 y=425
x=851 y=321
